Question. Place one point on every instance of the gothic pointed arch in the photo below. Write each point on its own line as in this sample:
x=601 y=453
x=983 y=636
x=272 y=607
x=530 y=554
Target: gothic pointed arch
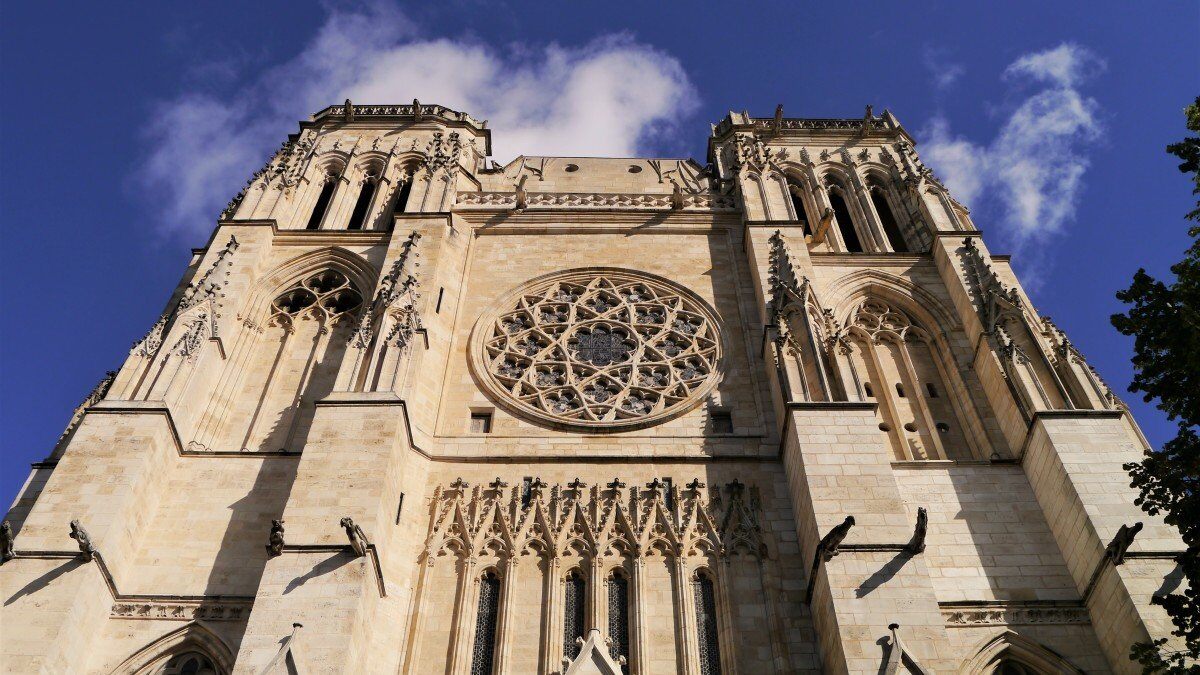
x=361 y=274
x=1011 y=652
x=194 y=638
x=296 y=324
x=897 y=348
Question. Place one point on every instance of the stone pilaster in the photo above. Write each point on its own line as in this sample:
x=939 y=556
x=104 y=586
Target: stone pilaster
x=318 y=581
x=838 y=465
x=1074 y=462
x=110 y=479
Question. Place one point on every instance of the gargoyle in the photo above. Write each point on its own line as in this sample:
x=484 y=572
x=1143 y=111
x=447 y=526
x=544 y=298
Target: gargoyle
x=275 y=540
x=1119 y=546
x=87 y=551
x=6 y=542
x=358 y=539
x=830 y=542
x=917 y=543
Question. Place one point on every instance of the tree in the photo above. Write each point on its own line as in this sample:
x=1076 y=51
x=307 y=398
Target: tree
x=1164 y=319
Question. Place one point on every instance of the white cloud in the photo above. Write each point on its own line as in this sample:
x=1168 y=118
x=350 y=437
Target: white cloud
x=944 y=72
x=610 y=97
x=1032 y=170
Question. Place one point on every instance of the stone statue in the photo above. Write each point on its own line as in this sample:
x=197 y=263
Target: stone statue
x=1116 y=549
x=6 y=542
x=830 y=542
x=358 y=539
x=87 y=551
x=917 y=543
x=275 y=540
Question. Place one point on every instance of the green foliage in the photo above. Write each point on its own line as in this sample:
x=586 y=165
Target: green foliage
x=1164 y=320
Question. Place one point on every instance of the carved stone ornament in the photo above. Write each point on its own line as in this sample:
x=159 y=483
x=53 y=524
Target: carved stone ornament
x=182 y=610
x=616 y=519
x=603 y=349
x=6 y=542
x=87 y=551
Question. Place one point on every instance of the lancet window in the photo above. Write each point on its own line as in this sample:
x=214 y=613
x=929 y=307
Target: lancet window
x=618 y=616
x=282 y=365
x=362 y=207
x=900 y=369
x=328 y=189
x=887 y=219
x=574 y=604
x=795 y=192
x=706 y=624
x=841 y=213
x=484 y=654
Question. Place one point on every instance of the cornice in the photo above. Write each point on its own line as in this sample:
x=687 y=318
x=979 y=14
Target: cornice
x=414 y=112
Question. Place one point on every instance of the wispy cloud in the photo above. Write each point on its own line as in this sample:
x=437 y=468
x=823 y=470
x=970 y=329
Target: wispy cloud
x=1031 y=173
x=944 y=71
x=611 y=96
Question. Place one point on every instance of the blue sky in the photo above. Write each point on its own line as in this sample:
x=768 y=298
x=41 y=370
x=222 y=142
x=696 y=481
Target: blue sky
x=127 y=126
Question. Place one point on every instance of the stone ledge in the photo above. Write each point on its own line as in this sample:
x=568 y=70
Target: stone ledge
x=1077 y=414
x=832 y=405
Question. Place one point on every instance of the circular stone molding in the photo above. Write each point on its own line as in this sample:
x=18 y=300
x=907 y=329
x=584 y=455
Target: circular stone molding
x=599 y=349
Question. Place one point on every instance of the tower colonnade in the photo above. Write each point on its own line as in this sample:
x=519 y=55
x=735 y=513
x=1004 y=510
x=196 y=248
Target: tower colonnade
x=410 y=410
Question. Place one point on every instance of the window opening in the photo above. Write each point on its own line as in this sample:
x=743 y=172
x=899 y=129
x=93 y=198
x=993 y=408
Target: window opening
x=322 y=205
x=573 y=614
x=845 y=225
x=484 y=654
x=706 y=625
x=890 y=229
x=358 y=217
x=722 y=422
x=481 y=423
x=618 y=618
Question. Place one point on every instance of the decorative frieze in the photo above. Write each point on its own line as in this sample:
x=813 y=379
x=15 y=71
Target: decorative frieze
x=1004 y=614
x=596 y=200
x=613 y=518
x=185 y=610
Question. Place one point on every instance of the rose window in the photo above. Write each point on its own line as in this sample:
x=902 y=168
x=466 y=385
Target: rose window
x=603 y=349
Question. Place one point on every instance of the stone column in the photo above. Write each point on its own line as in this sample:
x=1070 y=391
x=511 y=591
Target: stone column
x=640 y=659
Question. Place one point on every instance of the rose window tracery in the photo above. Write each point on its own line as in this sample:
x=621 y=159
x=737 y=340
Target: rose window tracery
x=601 y=349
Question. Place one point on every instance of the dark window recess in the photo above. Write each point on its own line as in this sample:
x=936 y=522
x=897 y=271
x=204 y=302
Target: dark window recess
x=358 y=218
x=399 y=508
x=722 y=422
x=484 y=655
x=441 y=293
x=931 y=389
x=706 y=625
x=400 y=203
x=845 y=225
x=900 y=390
x=867 y=388
x=526 y=490
x=669 y=493
x=322 y=205
x=618 y=618
x=798 y=206
x=573 y=618
x=890 y=228
x=481 y=423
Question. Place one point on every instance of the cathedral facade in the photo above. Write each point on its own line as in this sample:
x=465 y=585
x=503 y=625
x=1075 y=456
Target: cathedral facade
x=413 y=411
